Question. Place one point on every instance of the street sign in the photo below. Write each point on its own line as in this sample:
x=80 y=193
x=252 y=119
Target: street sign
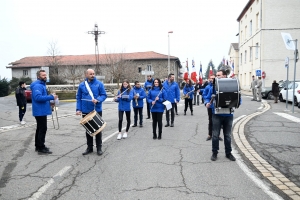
x=258 y=72
x=147 y=72
x=288 y=41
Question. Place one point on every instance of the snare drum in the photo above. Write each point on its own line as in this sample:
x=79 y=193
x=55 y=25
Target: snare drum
x=93 y=123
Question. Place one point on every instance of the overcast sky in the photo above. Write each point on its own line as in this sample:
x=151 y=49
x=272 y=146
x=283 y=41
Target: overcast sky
x=202 y=30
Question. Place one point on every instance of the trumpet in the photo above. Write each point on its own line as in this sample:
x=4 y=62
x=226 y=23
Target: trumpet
x=136 y=96
x=187 y=94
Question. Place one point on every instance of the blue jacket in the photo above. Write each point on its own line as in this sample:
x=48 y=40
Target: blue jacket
x=40 y=99
x=124 y=103
x=148 y=84
x=142 y=94
x=208 y=97
x=187 y=88
x=172 y=91
x=205 y=93
x=158 y=106
x=82 y=95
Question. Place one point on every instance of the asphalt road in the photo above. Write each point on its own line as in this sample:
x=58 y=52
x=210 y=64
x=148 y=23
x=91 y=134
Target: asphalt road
x=176 y=167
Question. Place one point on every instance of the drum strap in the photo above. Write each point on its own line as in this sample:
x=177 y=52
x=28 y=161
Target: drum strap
x=89 y=89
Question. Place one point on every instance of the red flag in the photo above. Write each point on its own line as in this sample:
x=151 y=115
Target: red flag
x=210 y=71
x=194 y=73
x=186 y=74
x=200 y=74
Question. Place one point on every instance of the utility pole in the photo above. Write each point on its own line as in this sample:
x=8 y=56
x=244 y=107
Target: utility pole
x=96 y=32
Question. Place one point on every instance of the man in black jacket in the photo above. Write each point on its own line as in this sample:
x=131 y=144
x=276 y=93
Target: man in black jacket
x=21 y=100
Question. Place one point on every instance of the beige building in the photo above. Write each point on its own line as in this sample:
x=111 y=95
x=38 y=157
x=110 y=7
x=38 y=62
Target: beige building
x=261 y=46
x=234 y=57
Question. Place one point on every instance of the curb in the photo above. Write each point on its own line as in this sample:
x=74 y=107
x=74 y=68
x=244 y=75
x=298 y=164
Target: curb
x=267 y=171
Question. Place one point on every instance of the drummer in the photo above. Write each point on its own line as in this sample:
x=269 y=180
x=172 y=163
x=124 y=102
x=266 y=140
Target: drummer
x=90 y=95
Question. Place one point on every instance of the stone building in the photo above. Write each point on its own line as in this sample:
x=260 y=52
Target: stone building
x=261 y=46
x=130 y=65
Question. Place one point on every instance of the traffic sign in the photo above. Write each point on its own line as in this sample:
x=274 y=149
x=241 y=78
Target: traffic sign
x=258 y=72
x=147 y=72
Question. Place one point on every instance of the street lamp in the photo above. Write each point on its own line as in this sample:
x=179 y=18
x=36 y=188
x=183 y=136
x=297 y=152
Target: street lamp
x=169 y=51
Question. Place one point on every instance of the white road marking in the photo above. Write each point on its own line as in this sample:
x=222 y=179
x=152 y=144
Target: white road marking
x=287 y=116
x=48 y=184
x=249 y=173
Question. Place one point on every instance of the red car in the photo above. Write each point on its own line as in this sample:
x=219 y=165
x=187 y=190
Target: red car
x=28 y=93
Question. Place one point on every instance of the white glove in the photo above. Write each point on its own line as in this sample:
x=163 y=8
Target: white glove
x=256 y=86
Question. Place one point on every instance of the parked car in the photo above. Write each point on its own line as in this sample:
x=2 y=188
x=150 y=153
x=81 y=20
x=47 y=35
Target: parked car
x=266 y=92
x=289 y=91
x=28 y=93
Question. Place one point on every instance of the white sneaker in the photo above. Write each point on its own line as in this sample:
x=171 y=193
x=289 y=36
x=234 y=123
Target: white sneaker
x=23 y=122
x=119 y=136
x=125 y=135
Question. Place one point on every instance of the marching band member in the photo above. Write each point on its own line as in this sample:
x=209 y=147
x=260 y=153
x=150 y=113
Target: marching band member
x=188 y=96
x=92 y=89
x=196 y=93
x=124 y=97
x=173 y=95
x=148 y=84
x=156 y=97
x=138 y=103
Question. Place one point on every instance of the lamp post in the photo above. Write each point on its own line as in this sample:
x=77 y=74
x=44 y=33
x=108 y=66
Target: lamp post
x=169 y=51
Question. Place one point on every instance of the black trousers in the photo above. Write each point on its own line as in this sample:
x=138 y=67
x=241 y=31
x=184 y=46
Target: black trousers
x=196 y=99
x=157 y=120
x=136 y=112
x=188 y=102
x=40 y=133
x=148 y=109
x=22 y=112
x=121 y=120
x=209 y=112
x=98 y=137
x=175 y=107
x=172 y=114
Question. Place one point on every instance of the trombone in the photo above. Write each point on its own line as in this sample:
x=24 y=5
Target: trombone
x=53 y=107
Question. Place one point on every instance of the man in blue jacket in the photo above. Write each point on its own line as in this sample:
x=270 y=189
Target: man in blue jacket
x=138 y=103
x=148 y=85
x=90 y=95
x=220 y=120
x=40 y=109
x=173 y=95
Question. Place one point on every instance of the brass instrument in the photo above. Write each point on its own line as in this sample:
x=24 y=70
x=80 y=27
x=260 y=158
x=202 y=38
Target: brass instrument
x=54 y=108
x=136 y=98
x=187 y=94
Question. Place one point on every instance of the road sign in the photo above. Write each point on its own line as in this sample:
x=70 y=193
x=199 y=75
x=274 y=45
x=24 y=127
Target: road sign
x=147 y=72
x=258 y=72
x=288 y=41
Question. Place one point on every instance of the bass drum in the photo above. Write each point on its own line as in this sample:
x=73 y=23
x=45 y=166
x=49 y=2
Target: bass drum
x=228 y=93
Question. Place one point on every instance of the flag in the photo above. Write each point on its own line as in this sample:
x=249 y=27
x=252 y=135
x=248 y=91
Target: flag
x=223 y=61
x=210 y=71
x=194 y=73
x=200 y=74
x=232 y=69
x=186 y=74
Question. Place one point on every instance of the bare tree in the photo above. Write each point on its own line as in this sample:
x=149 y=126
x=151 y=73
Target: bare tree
x=119 y=67
x=73 y=72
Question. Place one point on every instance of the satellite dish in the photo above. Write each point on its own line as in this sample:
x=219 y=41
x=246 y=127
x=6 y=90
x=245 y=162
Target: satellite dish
x=288 y=41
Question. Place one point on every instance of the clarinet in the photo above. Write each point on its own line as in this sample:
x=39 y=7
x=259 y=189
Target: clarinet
x=157 y=96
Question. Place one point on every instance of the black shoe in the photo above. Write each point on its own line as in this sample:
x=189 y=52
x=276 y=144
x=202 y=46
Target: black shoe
x=214 y=157
x=220 y=139
x=87 y=151
x=167 y=125
x=44 y=151
x=184 y=112
x=99 y=152
x=230 y=157
x=192 y=113
x=148 y=118
x=176 y=113
x=154 y=136
x=37 y=149
x=172 y=124
x=141 y=125
x=259 y=101
x=159 y=137
x=134 y=125
x=253 y=100
x=208 y=138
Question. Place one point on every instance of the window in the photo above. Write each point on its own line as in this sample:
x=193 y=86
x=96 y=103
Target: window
x=241 y=58
x=140 y=69
x=250 y=59
x=257 y=18
x=250 y=28
x=25 y=72
x=149 y=67
x=245 y=56
x=256 y=50
x=245 y=32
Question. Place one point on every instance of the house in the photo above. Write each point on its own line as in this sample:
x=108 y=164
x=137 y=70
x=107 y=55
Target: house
x=234 y=57
x=121 y=65
x=261 y=46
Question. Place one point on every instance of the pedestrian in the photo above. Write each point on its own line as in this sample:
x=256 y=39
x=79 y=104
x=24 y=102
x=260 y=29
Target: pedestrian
x=21 y=100
x=253 y=87
x=124 y=97
x=219 y=121
x=173 y=96
x=196 y=93
x=40 y=109
x=138 y=103
x=156 y=97
x=275 y=91
x=209 y=109
x=90 y=96
x=258 y=89
x=148 y=84
x=188 y=91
